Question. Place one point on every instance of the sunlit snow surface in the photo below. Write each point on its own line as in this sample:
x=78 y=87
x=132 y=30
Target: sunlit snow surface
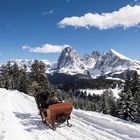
x=19 y=120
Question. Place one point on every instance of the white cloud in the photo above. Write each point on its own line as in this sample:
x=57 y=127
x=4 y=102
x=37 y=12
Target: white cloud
x=47 y=48
x=125 y=17
x=48 y=12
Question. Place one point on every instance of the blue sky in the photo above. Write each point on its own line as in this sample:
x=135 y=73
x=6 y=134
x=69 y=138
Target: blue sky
x=41 y=28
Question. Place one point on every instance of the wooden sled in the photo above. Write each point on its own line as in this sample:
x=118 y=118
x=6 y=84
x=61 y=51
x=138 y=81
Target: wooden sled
x=57 y=114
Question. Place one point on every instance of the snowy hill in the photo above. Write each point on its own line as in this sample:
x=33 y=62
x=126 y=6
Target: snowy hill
x=19 y=120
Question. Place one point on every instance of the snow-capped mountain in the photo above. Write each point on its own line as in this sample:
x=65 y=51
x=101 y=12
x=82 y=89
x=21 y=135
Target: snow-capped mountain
x=113 y=62
x=89 y=60
x=109 y=64
x=96 y=63
x=70 y=62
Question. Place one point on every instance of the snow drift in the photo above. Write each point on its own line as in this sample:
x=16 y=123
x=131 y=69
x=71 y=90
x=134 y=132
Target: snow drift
x=19 y=120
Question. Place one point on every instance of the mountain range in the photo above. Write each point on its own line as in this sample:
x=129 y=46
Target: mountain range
x=111 y=64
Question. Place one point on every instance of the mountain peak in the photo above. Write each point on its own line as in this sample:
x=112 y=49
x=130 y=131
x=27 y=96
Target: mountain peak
x=67 y=48
x=112 y=51
x=69 y=59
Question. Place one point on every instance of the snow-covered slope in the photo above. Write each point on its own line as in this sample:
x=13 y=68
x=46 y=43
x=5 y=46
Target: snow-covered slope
x=19 y=120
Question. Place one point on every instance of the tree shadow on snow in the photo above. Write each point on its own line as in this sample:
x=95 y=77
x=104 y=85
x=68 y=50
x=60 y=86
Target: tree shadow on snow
x=30 y=121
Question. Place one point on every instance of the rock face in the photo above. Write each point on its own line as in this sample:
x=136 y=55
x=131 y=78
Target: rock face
x=110 y=64
x=69 y=62
x=90 y=60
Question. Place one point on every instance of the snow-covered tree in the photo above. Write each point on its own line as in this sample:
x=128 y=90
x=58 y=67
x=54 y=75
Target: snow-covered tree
x=107 y=103
x=128 y=105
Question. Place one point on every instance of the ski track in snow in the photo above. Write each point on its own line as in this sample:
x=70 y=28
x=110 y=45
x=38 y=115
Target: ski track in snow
x=19 y=120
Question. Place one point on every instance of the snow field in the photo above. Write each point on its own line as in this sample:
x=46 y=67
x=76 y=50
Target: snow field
x=19 y=120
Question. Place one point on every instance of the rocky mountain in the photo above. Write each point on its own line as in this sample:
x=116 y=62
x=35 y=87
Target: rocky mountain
x=70 y=62
x=113 y=62
x=90 y=60
x=109 y=65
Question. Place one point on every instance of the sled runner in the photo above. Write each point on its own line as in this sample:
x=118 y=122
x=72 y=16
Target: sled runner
x=57 y=114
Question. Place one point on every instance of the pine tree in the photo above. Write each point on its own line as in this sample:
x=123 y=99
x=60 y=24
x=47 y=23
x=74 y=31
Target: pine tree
x=107 y=103
x=128 y=110
x=39 y=76
x=137 y=100
x=135 y=83
x=24 y=85
x=128 y=83
x=37 y=69
x=128 y=106
x=15 y=76
x=136 y=93
x=6 y=75
x=2 y=76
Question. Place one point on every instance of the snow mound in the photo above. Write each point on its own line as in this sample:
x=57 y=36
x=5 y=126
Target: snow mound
x=19 y=120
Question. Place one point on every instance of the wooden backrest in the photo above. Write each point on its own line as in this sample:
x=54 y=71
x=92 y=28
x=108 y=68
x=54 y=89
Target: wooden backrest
x=59 y=109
